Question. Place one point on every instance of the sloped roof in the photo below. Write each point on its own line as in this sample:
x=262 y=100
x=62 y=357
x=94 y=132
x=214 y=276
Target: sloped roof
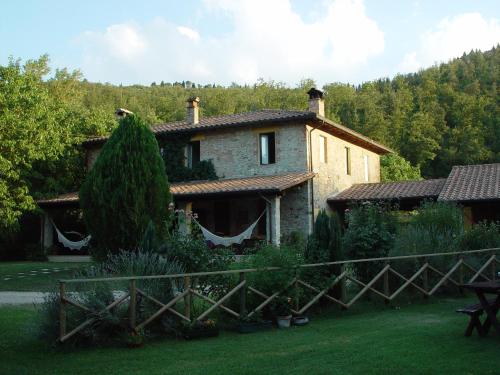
x=391 y=191
x=216 y=122
x=256 y=184
x=260 y=117
x=472 y=183
x=234 y=186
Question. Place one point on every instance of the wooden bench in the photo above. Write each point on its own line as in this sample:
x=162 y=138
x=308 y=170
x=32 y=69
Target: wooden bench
x=475 y=311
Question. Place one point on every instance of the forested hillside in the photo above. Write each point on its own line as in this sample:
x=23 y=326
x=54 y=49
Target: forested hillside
x=439 y=117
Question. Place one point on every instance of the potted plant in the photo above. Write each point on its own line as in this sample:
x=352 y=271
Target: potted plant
x=300 y=320
x=135 y=339
x=200 y=329
x=254 y=323
x=282 y=310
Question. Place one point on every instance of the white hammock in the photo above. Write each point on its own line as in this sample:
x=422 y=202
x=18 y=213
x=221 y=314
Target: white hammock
x=228 y=241
x=73 y=245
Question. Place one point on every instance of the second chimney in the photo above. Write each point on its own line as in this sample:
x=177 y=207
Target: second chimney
x=316 y=102
x=193 y=115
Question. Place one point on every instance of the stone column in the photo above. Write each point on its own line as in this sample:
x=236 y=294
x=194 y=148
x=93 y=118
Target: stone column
x=275 y=208
x=184 y=219
x=47 y=231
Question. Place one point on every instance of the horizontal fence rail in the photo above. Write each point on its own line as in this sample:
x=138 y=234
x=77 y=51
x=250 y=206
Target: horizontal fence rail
x=386 y=282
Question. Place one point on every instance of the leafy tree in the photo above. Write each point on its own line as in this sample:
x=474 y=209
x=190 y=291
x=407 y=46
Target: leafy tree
x=126 y=189
x=28 y=133
x=395 y=168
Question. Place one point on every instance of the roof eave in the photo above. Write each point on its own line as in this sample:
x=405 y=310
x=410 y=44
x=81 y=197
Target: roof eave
x=355 y=137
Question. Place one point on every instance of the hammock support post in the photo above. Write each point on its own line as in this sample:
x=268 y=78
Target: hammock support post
x=47 y=231
x=275 y=208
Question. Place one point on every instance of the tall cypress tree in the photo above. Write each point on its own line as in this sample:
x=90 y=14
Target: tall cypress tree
x=126 y=189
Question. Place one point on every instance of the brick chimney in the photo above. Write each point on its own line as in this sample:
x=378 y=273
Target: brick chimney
x=193 y=115
x=316 y=101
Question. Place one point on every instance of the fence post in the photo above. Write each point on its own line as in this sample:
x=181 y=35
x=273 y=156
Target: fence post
x=425 y=280
x=133 y=304
x=494 y=268
x=343 y=292
x=62 y=310
x=243 y=297
x=461 y=275
x=296 y=289
x=187 y=297
x=386 y=284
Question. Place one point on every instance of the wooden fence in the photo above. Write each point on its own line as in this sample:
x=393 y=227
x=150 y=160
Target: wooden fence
x=387 y=283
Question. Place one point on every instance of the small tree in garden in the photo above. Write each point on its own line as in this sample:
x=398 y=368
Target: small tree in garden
x=324 y=245
x=126 y=189
x=369 y=234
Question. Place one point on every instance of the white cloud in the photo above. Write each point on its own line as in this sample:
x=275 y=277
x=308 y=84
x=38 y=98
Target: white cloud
x=451 y=38
x=188 y=32
x=268 y=39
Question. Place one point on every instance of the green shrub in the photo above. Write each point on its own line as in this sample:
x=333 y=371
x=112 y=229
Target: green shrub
x=436 y=227
x=483 y=235
x=110 y=326
x=287 y=258
x=324 y=245
x=370 y=233
x=126 y=189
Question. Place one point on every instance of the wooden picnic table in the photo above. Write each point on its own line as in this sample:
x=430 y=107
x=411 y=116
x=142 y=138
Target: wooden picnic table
x=482 y=288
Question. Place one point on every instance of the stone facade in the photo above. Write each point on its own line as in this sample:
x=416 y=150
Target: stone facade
x=91 y=156
x=331 y=175
x=235 y=153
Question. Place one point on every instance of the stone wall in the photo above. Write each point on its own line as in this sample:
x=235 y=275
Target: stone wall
x=235 y=153
x=331 y=176
x=91 y=156
x=296 y=210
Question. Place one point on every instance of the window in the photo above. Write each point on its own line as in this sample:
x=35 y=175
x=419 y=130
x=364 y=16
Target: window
x=347 y=160
x=193 y=153
x=267 y=148
x=367 y=171
x=322 y=149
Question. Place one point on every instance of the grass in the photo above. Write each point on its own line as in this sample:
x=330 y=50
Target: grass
x=415 y=339
x=34 y=282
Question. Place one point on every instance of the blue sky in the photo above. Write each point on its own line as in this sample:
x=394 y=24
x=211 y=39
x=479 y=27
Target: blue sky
x=224 y=41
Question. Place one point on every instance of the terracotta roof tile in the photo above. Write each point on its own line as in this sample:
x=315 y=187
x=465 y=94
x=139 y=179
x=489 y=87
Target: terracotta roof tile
x=256 y=184
x=391 y=191
x=260 y=117
x=472 y=183
x=215 y=122
x=262 y=184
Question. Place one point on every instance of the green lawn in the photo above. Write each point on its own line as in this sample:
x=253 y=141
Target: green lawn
x=416 y=339
x=31 y=281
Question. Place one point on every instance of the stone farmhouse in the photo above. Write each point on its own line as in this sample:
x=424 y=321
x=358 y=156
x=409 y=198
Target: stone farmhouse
x=284 y=163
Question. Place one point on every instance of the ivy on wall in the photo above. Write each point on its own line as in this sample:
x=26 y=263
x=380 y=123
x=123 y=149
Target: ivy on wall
x=172 y=150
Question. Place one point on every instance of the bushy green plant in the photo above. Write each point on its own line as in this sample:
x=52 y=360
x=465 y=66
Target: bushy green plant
x=110 y=325
x=287 y=258
x=324 y=245
x=436 y=227
x=126 y=189
x=370 y=233
x=281 y=306
x=483 y=235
